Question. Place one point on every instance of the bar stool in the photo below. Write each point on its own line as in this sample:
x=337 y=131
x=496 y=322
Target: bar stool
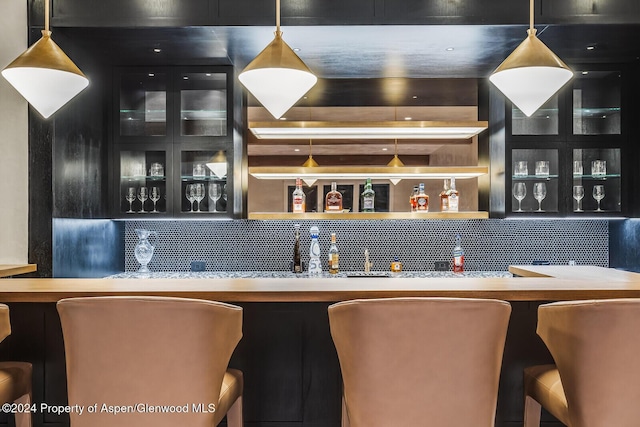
x=151 y=361
x=596 y=379
x=15 y=377
x=419 y=361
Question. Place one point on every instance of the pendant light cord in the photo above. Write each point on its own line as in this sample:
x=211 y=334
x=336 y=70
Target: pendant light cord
x=46 y=15
x=278 y=17
x=531 y=12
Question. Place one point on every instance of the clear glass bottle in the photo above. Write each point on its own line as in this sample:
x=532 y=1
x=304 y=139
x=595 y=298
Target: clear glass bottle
x=333 y=201
x=299 y=198
x=444 y=196
x=453 y=196
x=315 y=266
x=367 y=198
x=422 y=199
x=297 y=262
x=334 y=264
x=458 y=256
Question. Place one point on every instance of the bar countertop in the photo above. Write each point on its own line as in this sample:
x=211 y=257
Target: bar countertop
x=598 y=283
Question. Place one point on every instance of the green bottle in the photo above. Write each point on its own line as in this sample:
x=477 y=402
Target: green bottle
x=367 y=198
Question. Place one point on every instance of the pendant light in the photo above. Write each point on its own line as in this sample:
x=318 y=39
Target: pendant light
x=395 y=163
x=44 y=75
x=310 y=163
x=277 y=77
x=532 y=73
x=218 y=164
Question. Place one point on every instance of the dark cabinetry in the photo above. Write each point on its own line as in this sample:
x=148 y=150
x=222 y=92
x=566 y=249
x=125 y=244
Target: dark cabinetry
x=569 y=157
x=172 y=142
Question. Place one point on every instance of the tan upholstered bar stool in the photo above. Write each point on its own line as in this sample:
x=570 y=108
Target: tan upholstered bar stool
x=418 y=362
x=171 y=352
x=596 y=379
x=15 y=377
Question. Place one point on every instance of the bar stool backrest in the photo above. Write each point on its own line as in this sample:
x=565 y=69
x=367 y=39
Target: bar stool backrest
x=122 y=352
x=5 y=322
x=420 y=361
x=596 y=347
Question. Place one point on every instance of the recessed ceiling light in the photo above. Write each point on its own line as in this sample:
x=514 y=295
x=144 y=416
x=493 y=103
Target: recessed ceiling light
x=415 y=96
x=584 y=73
x=208 y=74
x=604 y=117
x=407 y=118
x=304 y=97
x=151 y=75
x=296 y=49
x=283 y=118
x=449 y=49
x=590 y=47
x=385 y=149
x=296 y=150
x=185 y=78
x=157 y=50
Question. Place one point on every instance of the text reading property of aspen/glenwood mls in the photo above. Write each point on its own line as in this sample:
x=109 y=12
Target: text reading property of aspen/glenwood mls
x=104 y=408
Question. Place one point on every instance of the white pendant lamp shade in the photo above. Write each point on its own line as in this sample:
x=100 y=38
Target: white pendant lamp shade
x=531 y=74
x=218 y=164
x=277 y=77
x=45 y=76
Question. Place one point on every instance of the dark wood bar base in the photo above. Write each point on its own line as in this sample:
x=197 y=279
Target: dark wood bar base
x=291 y=370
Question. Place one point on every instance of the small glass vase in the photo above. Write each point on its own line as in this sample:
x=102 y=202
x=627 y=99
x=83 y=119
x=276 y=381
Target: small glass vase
x=144 y=249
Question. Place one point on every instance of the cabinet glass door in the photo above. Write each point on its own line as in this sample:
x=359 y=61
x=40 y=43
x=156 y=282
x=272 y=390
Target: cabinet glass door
x=543 y=121
x=203 y=180
x=534 y=181
x=596 y=103
x=596 y=180
x=143 y=104
x=143 y=182
x=203 y=104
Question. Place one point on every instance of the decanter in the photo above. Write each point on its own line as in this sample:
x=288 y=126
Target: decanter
x=144 y=249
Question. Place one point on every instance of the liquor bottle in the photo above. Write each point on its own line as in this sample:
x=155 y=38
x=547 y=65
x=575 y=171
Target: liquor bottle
x=299 y=198
x=413 y=200
x=333 y=201
x=315 y=266
x=453 y=196
x=367 y=198
x=458 y=256
x=444 y=196
x=297 y=263
x=422 y=199
x=334 y=265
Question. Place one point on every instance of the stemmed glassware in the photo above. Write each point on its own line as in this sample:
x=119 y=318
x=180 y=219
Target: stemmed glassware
x=130 y=197
x=598 y=194
x=578 y=194
x=143 y=195
x=214 y=195
x=519 y=192
x=190 y=194
x=198 y=193
x=155 y=196
x=539 y=193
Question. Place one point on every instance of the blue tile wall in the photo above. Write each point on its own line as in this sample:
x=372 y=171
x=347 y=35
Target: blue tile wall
x=251 y=245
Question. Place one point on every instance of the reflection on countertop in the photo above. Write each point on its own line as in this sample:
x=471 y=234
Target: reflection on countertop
x=286 y=274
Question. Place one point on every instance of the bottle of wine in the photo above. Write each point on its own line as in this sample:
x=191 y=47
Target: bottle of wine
x=367 y=198
x=333 y=201
x=299 y=198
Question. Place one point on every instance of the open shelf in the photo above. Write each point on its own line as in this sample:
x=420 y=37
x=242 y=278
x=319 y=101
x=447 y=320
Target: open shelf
x=368 y=215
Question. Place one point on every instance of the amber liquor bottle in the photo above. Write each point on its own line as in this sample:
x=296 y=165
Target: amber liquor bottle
x=423 y=199
x=334 y=263
x=333 y=201
x=444 y=196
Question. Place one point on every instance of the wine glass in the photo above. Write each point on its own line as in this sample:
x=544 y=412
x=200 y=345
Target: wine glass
x=598 y=194
x=578 y=194
x=214 y=195
x=539 y=193
x=519 y=192
x=143 y=195
x=155 y=196
x=130 y=197
x=190 y=194
x=198 y=194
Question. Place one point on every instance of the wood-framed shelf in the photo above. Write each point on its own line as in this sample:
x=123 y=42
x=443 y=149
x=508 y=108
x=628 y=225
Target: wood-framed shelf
x=364 y=172
x=366 y=215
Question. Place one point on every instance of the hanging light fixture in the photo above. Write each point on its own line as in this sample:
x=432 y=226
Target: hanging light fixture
x=395 y=162
x=44 y=75
x=277 y=77
x=218 y=164
x=310 y=163
x=532 y=73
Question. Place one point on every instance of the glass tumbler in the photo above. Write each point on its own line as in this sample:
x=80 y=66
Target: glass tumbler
x=598 y=167
x=542 y=168
x=520 y=168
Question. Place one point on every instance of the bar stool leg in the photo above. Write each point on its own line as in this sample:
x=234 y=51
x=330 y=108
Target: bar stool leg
x=345 y=415
x=234 y=414
x=531 y=412
x=23 y=419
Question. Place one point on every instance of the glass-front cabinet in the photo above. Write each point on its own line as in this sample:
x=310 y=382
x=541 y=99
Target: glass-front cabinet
x=172 y=151
x=568 y=158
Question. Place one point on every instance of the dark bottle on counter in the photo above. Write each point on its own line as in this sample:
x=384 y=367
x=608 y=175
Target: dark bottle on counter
x=297 y=263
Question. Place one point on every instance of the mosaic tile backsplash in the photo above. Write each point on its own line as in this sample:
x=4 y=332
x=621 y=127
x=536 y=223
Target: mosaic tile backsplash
x=489 y=245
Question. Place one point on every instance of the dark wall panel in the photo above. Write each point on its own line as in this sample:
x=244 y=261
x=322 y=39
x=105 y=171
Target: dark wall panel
x=624 y=244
